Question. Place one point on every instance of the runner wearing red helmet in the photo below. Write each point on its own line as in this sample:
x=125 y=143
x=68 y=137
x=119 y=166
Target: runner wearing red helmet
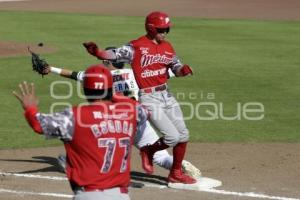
x=157 y=21
x=150 y=57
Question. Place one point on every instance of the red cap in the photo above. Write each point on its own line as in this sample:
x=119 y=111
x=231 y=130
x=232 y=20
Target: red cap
x=97 y=77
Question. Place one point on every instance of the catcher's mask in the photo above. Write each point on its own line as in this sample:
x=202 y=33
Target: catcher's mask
x=97 y=83
x=157 y=22
x=118 y=65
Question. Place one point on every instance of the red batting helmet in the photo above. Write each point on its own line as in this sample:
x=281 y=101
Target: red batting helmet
x=97 y=77
x=156 y=20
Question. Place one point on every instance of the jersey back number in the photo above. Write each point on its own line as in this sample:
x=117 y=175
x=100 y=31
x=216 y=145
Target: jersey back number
x=110 y=145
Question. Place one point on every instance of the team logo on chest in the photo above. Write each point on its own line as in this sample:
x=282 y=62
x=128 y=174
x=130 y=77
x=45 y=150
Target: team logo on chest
x=144 y=50
x=148 y=59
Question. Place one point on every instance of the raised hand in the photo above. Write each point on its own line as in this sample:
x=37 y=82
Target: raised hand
x=91 y=47
x=26 y=96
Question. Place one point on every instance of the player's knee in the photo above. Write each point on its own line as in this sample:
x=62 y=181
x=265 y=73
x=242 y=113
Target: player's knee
x=172 y=140
x=184 y=135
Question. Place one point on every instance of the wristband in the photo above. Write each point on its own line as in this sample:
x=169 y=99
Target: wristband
x=55 y=70
x=74 y=76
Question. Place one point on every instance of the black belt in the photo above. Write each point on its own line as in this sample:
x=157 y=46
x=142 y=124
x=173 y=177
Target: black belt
x=154 y=89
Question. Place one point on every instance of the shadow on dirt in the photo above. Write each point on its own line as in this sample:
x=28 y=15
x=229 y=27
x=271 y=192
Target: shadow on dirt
x=54 y=167
x=138 y=179
x=146 y=178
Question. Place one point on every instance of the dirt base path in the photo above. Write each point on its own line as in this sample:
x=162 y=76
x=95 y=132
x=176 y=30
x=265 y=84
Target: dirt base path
x=269 y=169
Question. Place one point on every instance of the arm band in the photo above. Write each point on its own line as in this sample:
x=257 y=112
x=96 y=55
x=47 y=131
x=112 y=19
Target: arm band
x=74 y=75
x=55 y=70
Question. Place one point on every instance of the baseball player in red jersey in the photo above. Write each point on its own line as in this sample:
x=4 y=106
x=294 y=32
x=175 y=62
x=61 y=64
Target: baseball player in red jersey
x=97 y=136
x=124 y=81
x=150 y=57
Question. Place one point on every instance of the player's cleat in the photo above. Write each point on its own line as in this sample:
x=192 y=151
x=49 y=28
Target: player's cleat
x=189 y=169
x=147 y=160
x=62 y=160
x=176 y=176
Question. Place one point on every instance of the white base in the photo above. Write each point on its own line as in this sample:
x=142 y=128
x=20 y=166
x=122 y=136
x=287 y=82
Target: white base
x=203 y=183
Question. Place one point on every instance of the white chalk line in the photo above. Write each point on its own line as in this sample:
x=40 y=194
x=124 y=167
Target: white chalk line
x=36 y=193
x=215 y=191
x=56 y=178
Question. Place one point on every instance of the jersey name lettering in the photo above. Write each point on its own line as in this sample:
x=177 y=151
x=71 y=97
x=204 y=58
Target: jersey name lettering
x=112 y=126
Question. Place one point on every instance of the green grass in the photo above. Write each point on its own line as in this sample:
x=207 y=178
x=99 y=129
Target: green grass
x=238 y=61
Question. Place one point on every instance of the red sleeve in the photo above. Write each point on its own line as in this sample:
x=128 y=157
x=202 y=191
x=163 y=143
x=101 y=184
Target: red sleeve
x=30 y=115
x=105 y=55
x=120 y=98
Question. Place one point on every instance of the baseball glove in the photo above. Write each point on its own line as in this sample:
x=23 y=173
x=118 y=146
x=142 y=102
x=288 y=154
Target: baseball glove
x=39 y=65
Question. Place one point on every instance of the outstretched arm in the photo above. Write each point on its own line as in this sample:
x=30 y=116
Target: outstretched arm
x=67 y=73
x=75 y=75
x=101 y=54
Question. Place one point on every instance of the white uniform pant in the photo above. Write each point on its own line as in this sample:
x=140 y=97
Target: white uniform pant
x=166 y=116
x=108 y=194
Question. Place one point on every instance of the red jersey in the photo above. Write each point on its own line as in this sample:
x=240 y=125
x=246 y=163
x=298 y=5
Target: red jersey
x=97 y=138
x=99 y=153
x=151 y=61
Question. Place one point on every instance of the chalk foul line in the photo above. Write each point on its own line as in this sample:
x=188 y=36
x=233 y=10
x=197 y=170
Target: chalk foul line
x=214 y=191
x=36 y=193
x=56 y=178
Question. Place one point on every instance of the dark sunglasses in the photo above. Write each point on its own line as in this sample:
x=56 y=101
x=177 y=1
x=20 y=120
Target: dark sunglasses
x=163 y=30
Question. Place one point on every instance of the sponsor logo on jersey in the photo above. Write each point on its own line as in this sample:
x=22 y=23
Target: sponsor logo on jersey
x=125 y=82
x=148 y=59
x=97 y=115
x=151 y=73
x=144 y=50
x=120 y=77
x=100 y=115
x=121 y=86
